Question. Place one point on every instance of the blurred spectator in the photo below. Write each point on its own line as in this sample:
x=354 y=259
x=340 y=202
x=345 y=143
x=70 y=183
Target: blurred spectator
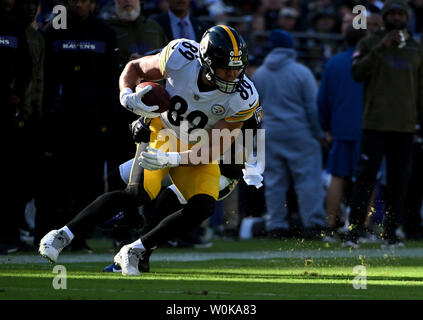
x=374 y=23
x=81 y=74
x=292 y=138
x=340 y=102
x=179 y=23
x=416 y=19
x=326 y=21
x=287 y=19
x=154 y=7
x=271 y=9
x=390 y=65
x=246 y=7
x=217 y=9
x=317 y=6
x=25 y=12
x=347 y=20
x=15 y=75
x=258 y=40
x=259 y=23
x=343 y=8
x=137 y=33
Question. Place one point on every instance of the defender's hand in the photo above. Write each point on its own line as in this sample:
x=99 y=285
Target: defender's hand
x=155 y=159
x=132 y=102
x=140 y=130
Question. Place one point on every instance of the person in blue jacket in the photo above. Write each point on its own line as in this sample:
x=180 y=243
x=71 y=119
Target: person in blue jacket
x=289 y=91
x=340 y=103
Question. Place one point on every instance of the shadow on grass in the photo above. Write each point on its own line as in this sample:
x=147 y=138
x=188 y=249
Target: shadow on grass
x=185 y=289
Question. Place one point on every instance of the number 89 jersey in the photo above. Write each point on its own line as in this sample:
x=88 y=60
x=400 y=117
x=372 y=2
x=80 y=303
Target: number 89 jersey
x=180 y=66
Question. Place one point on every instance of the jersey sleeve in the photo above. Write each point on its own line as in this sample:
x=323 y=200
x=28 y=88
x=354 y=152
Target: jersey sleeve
x=244 y=104
x=177 y=54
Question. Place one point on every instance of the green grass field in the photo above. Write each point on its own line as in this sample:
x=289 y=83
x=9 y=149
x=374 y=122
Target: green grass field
x=230 y=270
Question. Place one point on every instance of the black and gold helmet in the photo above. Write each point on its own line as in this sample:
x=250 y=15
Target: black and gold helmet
x=223 y=47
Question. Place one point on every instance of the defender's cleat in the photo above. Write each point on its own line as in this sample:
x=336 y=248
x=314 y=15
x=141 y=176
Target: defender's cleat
x=143 y=264
x=52 y=244
x=113 y=268
x=128 y=259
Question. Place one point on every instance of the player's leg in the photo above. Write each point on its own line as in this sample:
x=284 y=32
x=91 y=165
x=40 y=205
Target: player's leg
x=200 y=186
x=170 y=201
x=103 y=208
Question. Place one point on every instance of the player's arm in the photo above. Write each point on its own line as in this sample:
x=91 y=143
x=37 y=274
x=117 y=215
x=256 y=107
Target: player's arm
x=145 y=68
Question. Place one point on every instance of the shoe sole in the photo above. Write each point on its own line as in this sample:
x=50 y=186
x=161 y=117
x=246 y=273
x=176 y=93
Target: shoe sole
x=46 y=256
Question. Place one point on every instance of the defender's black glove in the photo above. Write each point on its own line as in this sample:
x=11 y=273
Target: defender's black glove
x=140 y=130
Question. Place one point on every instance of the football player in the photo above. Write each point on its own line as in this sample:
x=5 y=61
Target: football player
x=208 y=91
x=171 y=200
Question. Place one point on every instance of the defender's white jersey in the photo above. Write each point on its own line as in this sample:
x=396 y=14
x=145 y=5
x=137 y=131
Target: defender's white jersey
x=180 y=66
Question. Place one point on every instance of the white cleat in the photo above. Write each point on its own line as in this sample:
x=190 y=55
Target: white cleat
x=52 y=244
x=128 y=258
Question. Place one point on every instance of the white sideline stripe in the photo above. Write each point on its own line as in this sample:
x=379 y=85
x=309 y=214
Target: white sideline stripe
x=248 y=255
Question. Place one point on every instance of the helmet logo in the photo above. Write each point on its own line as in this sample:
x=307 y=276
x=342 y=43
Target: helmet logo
x=204 y=44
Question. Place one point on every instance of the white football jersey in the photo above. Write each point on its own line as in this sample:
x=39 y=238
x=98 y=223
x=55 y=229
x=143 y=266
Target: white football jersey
x=180 y=66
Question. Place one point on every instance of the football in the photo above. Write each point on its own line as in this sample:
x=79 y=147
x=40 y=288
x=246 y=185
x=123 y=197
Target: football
x=156 y=96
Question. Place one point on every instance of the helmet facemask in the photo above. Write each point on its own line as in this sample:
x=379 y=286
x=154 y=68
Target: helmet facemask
x=222 y=85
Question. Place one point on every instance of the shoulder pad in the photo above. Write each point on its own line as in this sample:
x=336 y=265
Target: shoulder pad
x=177 y=54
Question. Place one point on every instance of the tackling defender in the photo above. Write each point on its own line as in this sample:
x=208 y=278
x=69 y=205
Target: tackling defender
x=208 y=91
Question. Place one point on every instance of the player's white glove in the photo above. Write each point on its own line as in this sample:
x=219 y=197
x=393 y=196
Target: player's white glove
x=156 y=159
x=252 y=175
x=132 y=102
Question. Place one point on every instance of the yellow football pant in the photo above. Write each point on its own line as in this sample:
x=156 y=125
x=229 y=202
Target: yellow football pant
x=190 y=180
